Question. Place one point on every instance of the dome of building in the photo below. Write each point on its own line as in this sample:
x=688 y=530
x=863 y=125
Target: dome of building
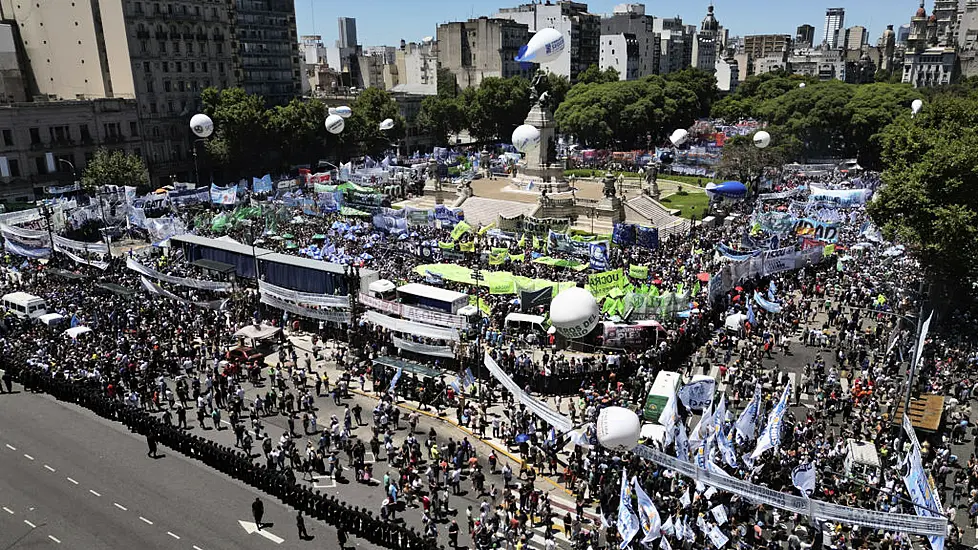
x=921 y=12
x=710 y=22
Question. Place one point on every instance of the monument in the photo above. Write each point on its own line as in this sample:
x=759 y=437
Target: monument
x=610 y=205
x=542 y=168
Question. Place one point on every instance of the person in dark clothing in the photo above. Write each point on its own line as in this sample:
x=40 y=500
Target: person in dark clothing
x=258 y=510
x=300 y=524
x=151 y=442
x=341 y=537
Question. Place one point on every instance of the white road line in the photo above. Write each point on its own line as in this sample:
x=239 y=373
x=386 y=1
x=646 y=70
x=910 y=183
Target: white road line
x=48 y=468
x=94 y=493
x=121 y=507
x=28 y=457
x=71 y=480
x=11 y=447
x=8 y=510
x=31 y=525
x=174 y=535
x=52 y=537
x=197 y=547
x=146 y=521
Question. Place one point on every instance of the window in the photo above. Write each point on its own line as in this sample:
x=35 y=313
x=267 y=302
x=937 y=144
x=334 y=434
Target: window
x=14 y=166
x=169 y=106
x=133 y=128
x=149 y=86
x=179 y=65
x=139 y=7
x=162 y=47
x=166 y=66
x=8 y=138
x=35 y=136
x=220 y=67
x=166 y=85
x=203 y=66
x=146 y=67
x=220 y=47
x=144 y=46
x=40 y=165
x=86 y=136
x=59 y=134
x=153 y=109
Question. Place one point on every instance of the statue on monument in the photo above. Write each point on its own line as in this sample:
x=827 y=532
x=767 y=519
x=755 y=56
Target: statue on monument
x=609 y=186
x=540 y=90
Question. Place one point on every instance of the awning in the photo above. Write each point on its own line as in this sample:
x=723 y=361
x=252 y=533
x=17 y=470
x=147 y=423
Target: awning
x=51 y=318
x=75 y=332
x=381 y=286
x=524 y=318
x=256 y=332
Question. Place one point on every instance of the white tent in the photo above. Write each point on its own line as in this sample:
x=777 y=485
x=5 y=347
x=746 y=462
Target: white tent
x=735 y=322
x=51 y=318
x=381 y=286
x=75 y=332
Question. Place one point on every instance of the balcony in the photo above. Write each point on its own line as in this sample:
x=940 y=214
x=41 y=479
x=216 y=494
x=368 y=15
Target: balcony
x=142 y=34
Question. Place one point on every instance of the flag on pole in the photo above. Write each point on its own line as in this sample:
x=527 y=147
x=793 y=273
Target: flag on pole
x=682 y=442
x=648 y=516
x=803 y=478
x=627 y=523
x=771 y=434
x=747 y=423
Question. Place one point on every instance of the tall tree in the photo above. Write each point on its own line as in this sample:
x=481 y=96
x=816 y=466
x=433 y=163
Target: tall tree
x=441 y=116
x=744 y=162
x=497 y=107
x=241 y=140
x=114 y=168
x=298 y=130
x=594 y=75
x=371 y=107
x=703 y=85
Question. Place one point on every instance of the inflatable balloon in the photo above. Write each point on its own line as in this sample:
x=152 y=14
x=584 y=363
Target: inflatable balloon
x=344 y=111
x=916 y=106
x=574 y=312
x=387 y=124
x=679 y=137
x=546 y=45
x=762 y=139
x=666 y=157
x=526 y=138
x=201 y=125
x=802 y=85
x=332 y=110
x=618 y=428
x=727 y=190
x=335 y=124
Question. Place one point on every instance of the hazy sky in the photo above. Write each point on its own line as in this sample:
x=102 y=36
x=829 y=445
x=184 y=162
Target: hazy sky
x=386 y=22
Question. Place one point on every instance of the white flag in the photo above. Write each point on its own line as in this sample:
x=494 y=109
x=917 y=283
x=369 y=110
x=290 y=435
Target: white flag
x=682 y=442
x=668 y=418
x=803 y=477
x=771 y=434
x=668 y=527
x=747 y=423
x=647 y=514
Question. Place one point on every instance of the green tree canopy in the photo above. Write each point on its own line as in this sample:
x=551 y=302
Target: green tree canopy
x=594 y=75
x=497 y=107
x=298 y=130
x=114 y=168
x=240 y=142
x=371 y=107
x=441 y=116
x=928 y=201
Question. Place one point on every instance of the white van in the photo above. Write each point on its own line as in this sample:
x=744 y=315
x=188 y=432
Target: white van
x=24 y=305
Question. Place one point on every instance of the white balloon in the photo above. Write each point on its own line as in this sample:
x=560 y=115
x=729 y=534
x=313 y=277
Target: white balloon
x=343 y=111
x=801 y=85
x=679 y=137
x=332 y=110
x=546 y=45
x=526 y=138
x=618 y=428
x=201 y=125
x=335 y=124
x=917 y=105
x=762 y=139
x=387 y=124
x=574 y=312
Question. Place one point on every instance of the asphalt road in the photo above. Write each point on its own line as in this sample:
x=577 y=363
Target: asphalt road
x=74 y=480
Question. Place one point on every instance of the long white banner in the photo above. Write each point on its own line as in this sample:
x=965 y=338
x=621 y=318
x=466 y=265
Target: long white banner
x=305 y=298
x=424 y=349
x=156 y=289
x=415 y=313
x=179 y=281
x=303 y=311
x=410 y=327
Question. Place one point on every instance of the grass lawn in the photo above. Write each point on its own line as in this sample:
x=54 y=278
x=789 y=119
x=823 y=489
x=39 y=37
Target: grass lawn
x=693 y=205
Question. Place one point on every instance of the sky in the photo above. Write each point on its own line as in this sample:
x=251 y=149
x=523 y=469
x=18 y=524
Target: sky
x=386 y=22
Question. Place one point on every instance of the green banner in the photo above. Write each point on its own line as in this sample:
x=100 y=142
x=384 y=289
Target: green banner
x=498 y=256
x=467 y=247
x=446 y=246
x=517 y=257
x=638 y=271
x=460 y=229
x=600 y=284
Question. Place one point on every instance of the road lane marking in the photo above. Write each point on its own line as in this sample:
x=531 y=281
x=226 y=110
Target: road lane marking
x=71 y=480
x=174 y=535
x=94 y=493
x=50 y=469
x=28 y=457
x=197 y=547
x=52 y=537
x=11 y=447
x=32 y=526
x=146 y=521
x=121 y=507
x=8 y=510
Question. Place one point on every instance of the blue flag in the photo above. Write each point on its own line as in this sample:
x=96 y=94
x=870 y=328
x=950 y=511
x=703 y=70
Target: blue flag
x=750 y=314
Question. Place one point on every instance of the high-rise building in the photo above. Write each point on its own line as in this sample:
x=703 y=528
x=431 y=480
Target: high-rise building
x=888 y=49
x=348 y=32
x=620 y=52
x=903 y=33
x=676 y=42
x=317 y=76
x=708 y=43
x=855 y=38
x=835 y=19
x=267 y=52
x=805 y=36
x=479 y=48
x=581 y=29
x=417 y=64
x=631 y=19
x=160 y=54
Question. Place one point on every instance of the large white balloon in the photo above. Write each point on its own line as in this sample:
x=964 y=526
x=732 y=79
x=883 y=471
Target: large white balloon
x=574 y=312
x=679 y=137
x=917 y=105
x=801 y=85
x=201 y=125
x=343 y=111
x=387 y=124
x=546 y=45
x=762 y=139
x=618 y=428
x=526 y=138
x=335 y=124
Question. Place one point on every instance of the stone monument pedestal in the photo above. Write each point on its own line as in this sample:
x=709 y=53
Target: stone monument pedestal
x=541 y=169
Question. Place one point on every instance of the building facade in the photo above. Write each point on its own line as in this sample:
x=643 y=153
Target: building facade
x=675 y=44
x=417 y=63
x=856 y=38
x=708 y=43
x=348 y=32
x=581 y=29
x=835 y=19
x=620 y=52
x=479 y=48
x=265 y=49
x=49 y=143
x=805 y=36
x=631 y=19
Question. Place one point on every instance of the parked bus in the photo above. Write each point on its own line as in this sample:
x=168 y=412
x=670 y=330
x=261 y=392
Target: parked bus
x=663 y=389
